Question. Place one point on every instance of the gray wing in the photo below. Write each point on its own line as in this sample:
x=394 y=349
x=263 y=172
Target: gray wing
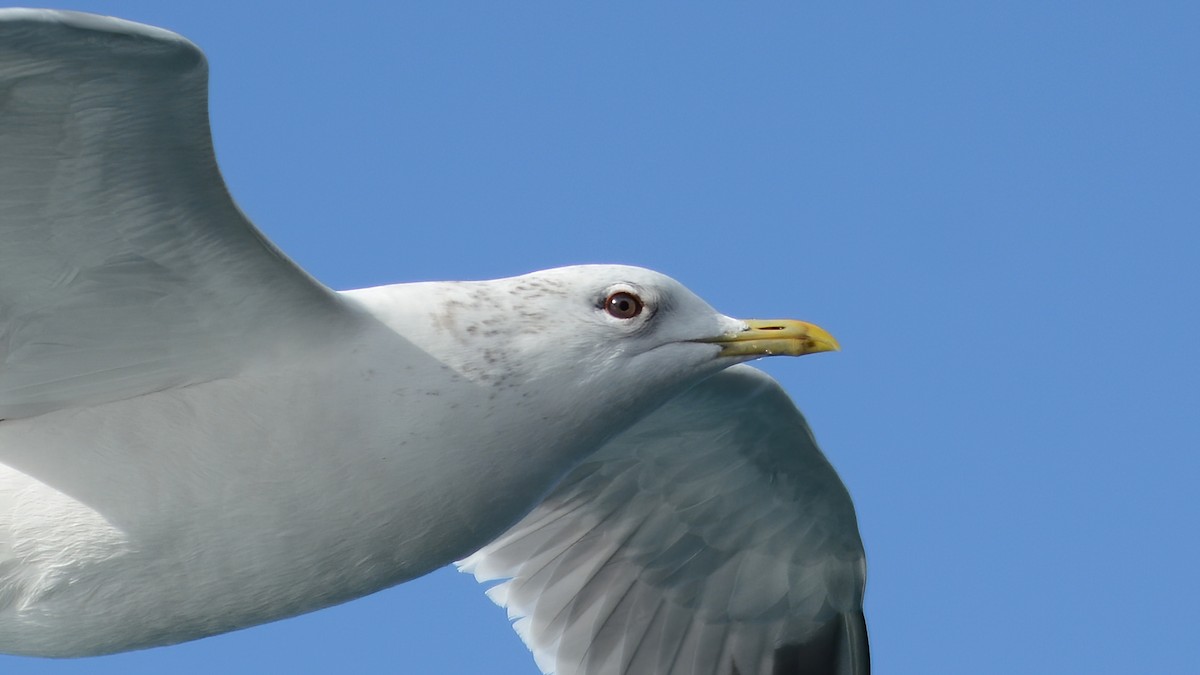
x=712 y=537
x=125 y=267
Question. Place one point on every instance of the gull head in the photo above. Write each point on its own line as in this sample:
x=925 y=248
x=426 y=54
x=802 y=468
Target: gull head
x=599 y=327
x=613 y=317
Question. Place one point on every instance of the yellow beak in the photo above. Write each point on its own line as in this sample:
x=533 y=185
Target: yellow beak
x=783 y=337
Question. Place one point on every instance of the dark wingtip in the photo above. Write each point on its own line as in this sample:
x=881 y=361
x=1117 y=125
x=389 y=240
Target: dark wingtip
x=840 y=647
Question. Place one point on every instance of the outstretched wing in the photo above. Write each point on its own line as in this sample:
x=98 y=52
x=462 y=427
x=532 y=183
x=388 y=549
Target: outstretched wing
x=712 y=538
x=125 y=267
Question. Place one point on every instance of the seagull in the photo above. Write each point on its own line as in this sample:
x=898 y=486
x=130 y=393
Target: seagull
x=196 y=436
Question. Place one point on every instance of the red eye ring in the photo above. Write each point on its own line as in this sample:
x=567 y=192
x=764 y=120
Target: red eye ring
x=623 y=305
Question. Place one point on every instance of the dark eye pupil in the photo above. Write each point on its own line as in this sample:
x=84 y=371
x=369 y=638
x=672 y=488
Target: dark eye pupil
x=624 y=305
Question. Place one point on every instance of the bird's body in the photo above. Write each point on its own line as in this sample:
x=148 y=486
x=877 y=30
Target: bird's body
x=231 y=502
x=189 y=507
x=196 y=437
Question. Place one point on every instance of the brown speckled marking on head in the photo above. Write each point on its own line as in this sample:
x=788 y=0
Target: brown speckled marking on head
x=485 y=317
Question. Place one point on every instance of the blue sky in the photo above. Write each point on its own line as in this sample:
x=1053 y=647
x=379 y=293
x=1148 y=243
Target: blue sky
x=994 y=208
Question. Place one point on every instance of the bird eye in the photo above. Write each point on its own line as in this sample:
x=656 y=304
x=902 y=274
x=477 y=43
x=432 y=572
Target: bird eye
x=623 y=305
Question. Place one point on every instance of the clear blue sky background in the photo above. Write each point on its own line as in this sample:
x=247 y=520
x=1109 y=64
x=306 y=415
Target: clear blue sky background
x=995 y=208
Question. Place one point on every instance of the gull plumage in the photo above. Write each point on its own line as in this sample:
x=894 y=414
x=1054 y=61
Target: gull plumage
x=197 y=436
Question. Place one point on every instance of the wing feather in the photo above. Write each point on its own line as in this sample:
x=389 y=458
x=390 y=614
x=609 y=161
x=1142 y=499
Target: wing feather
x=712 y=537
x=125 y=267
